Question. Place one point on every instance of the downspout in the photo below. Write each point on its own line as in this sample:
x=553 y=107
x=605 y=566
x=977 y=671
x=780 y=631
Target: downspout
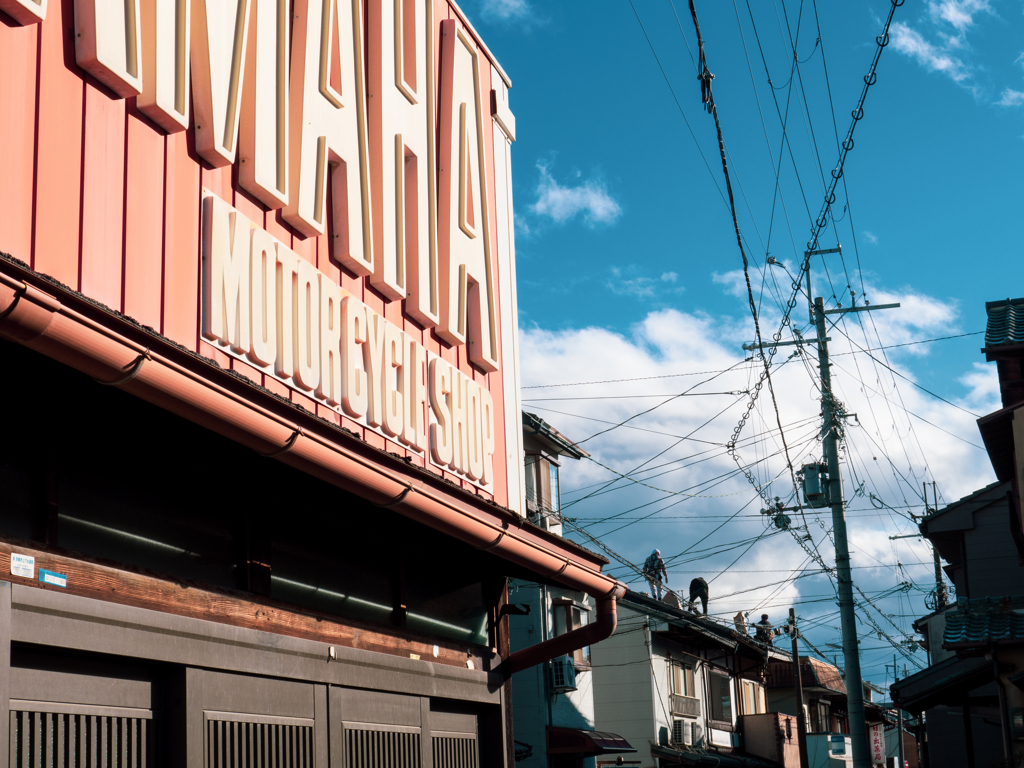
x=600 y=629
x=1004 y=714
x=549 y=694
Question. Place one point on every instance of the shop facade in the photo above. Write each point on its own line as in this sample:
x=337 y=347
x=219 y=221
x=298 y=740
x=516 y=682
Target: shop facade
x=264 y=484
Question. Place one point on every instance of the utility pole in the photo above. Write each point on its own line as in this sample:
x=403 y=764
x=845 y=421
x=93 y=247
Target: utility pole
x=899 y=718
x=851 y=653
x=831 y=417
x=940 y=586
x=801 y=719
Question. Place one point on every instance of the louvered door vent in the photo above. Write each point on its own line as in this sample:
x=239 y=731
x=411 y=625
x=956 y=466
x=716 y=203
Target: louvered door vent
x=233 y=744
x=381 y=749
x=454 y=752
x=61 y=740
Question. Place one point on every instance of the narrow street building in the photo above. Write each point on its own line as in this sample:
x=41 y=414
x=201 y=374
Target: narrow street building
x=685 y=690
x=262 y=487
x=972 y=694
x=553 y=703
x=825 y=707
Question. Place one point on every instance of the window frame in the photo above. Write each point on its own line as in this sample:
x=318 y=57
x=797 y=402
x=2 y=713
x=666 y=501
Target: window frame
x=754 y=699
x=716 y=701
x=542 y=479
x=573 y=616
x=681 y=676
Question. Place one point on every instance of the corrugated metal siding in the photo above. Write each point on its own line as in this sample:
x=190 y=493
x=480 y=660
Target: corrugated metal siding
x=57 y=740
x=454 y=752
x=258 y=745
x=382 y=749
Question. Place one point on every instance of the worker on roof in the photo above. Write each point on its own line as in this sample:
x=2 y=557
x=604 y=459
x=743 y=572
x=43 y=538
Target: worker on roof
x=764 y=630
x=656 y=574
x=699 y=588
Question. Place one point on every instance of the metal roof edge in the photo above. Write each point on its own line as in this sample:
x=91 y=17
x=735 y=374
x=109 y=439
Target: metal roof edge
x=545 y=431
x=965 y=499
x=480 y=41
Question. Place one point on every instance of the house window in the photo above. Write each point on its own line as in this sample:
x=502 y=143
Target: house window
x=721 y=697
x=569 y=616
x=554 y=498
x=682 y=680
x=820 y=720
x=542 y=490
x=753 y=698
x=532 y=486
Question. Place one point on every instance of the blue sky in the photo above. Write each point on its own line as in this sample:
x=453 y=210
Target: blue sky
x=628 y=263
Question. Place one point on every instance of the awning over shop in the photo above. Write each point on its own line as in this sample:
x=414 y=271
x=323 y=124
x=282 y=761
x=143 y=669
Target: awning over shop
x=564 y=741
x=684 y=756
x=947 y=682
x=61 y=323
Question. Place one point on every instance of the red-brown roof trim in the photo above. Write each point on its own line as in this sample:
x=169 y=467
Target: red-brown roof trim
x=62 y=324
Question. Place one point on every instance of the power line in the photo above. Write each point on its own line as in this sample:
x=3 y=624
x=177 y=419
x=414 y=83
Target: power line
x=632 y=397
x=654 y=408
x=636 y=378
x=676 y=99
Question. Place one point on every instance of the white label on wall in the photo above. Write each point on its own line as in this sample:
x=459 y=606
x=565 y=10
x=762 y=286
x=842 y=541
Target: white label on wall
x=23 y=565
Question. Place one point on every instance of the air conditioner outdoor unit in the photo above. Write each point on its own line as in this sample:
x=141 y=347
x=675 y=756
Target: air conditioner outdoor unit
x=685 y=733
x=682 y=734
x=563 y=674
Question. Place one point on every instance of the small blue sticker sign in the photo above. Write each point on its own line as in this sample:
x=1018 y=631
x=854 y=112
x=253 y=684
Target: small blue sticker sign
x=838 y=744
x=49 y=577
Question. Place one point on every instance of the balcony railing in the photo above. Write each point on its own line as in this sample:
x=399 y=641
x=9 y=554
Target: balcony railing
x=685 y=705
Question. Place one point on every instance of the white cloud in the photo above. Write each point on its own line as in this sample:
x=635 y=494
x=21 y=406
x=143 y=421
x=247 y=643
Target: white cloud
x=982 y=382
x=870 y=237
x=1011 y=98
x=506 y=10
x=959 y=14
x=561 y=203
x=630 y=283
x=911 y=42
x=669 y=342
x=522 y=226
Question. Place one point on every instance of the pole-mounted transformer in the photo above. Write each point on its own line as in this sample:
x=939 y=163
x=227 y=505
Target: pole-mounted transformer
x=814 y=478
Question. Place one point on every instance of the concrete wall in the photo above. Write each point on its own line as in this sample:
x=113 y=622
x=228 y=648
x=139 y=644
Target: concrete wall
x=623 y=686
x=534 y=706
x=819 y=752
x=766 y=736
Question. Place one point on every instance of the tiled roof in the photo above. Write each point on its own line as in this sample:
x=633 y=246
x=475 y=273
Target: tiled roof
x=826 y=675
x=815 y=674
x=1005 y=322
x=985 y=621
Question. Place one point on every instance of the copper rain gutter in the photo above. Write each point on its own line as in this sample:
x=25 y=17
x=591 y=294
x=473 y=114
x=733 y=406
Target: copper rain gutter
x=42 y=322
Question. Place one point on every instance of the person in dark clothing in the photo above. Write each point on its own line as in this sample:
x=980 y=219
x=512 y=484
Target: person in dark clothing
x=765 y=632
x=699 y=588
x=656 y=574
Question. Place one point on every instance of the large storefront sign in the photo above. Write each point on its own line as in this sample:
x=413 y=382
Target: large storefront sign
x=364 y=127
x=277 y=312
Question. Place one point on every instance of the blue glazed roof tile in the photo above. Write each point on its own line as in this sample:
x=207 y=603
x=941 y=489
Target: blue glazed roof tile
x=1005 y=322
x=982 y=622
